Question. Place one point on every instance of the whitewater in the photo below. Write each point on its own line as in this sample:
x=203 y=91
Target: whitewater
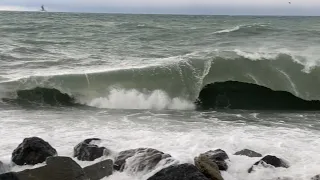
x=138 y=76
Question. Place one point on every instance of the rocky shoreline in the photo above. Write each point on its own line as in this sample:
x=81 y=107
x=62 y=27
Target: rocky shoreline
x=206 y=166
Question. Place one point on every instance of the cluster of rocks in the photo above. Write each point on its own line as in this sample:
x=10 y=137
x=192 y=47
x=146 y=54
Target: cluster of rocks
x=207 y=166
x=35 y=150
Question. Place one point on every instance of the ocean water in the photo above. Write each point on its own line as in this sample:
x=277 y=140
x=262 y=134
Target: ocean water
x=138 y=76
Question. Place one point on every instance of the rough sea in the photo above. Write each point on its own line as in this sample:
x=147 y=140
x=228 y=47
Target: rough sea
x=139 y=75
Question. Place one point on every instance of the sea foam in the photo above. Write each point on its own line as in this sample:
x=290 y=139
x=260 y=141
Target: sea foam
x=133 y=99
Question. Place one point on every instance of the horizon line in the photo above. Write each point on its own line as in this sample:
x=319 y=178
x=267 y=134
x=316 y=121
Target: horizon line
x=181 y=14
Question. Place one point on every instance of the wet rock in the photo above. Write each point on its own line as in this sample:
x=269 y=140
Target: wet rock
x=179 y=172
x=99 y=170
x=140 y=159
x=88 y=151
x=317 y=177
x=9 y=176
x=62 y=168
x=32 y=151
x=270 y=161
x=57 y=168
x=248 y=152
x=209 y=168
x=218 y=156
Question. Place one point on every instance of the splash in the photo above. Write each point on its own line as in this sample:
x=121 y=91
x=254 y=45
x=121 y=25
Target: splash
x=133 y=99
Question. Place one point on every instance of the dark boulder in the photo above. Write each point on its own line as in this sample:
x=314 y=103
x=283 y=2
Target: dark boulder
x=270 y=161
x=99 y=170
x=218 y=156
x=209 y=168
x=62 y=168
x=317 y=177
x=57 y=168
x=179 y=172
x=240 y=95
x=32 y=151
x=88 y=151
x=140 y=159
x=248 y=152
x=9 y=176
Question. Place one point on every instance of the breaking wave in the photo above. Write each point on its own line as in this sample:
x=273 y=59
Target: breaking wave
x=249 y=29
x=133 y=99
x=177 y=85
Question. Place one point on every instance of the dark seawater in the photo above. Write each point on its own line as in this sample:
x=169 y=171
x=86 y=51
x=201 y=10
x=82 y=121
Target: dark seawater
x=138 y=76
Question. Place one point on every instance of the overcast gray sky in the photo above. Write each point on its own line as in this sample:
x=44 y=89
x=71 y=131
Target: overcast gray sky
x=228 y=7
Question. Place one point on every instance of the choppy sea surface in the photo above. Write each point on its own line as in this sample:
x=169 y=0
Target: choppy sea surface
x=138 y=76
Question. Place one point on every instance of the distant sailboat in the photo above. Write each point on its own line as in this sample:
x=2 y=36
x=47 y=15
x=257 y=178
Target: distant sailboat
x=42 y=9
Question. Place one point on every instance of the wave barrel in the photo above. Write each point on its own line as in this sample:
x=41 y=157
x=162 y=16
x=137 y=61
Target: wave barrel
x=246 y=96
x=42 y=96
